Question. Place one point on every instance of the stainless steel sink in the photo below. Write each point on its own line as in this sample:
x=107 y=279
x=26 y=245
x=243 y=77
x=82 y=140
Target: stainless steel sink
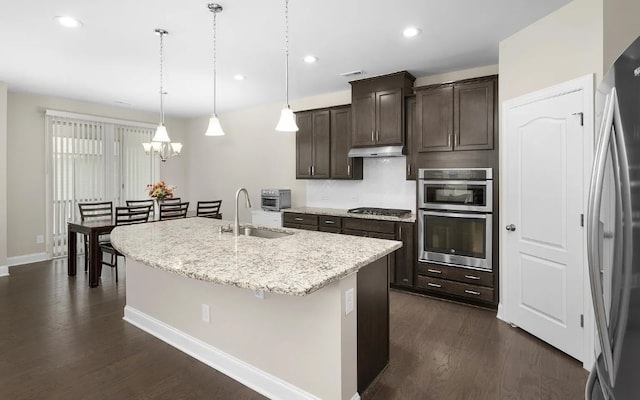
x=263 y=233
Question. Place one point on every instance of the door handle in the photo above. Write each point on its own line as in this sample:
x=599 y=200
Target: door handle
x=511 y=228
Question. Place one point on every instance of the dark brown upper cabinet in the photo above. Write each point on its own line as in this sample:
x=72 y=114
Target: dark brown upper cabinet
x=342 y=166
x=378 y=109
x=457 y=116
x=313 y=144
x=410 y=129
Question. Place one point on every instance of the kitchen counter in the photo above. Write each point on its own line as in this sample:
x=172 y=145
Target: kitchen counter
x=337 y=212
x=298 y=264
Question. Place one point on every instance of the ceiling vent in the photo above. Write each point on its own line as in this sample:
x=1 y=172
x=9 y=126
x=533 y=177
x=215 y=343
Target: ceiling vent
x=352 y=73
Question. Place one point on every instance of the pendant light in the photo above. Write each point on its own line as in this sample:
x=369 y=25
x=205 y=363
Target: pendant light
x=287 y=121
x=214 y=129
x=161 y=143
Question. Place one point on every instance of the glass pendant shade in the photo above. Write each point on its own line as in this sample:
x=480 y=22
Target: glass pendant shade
x=161 y=134
x=214 y=129
x=147 y=147
x=176 y=147
x=287 y=121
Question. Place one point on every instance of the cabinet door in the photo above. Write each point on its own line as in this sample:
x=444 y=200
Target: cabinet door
x=341 y=165
x=410 y=146
x=434 y=122
x=406 y=256
x=363 y=109
x=304 y=145
x=473 y=115
x=389 y=118
x=321 y=167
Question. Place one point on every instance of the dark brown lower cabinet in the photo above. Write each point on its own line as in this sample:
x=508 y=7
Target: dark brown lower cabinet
x=403 y=271
x=373 y=321
x=455 y=281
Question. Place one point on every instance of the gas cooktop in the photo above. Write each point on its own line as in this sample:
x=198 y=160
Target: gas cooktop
x=388 y=212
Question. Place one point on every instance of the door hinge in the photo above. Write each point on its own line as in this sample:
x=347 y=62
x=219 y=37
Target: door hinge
x=581 y=320
x=581 y=219
x=581 y=117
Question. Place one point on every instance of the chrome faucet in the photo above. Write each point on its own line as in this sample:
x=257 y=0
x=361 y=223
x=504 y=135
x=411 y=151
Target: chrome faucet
x=236 y=226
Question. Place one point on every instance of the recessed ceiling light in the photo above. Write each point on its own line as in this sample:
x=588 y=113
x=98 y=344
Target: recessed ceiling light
x=411 y=32
x=68 y=22
x=239 y=77
x=310 y=59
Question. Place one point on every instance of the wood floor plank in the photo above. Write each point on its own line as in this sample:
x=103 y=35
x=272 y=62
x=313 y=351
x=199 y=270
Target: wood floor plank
x=60 y=340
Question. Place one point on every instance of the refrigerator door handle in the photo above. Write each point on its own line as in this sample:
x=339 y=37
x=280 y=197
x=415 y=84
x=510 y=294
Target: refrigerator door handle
x=593 y=212
x=591 y=382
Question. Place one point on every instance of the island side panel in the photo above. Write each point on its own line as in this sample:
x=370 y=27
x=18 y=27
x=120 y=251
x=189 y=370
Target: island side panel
x=306 y=341
x=373 y=321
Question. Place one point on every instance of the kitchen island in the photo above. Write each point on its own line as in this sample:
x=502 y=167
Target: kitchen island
x=300 y=316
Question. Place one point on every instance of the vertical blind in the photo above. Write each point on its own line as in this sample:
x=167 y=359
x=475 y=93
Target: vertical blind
x=92 y=160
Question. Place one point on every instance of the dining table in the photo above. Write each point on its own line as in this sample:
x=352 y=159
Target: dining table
x=92 y=228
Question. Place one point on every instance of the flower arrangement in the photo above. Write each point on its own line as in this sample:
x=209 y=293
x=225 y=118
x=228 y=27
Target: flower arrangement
x=160 y=190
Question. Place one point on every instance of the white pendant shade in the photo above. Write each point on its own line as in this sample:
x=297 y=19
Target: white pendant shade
x=147 y=147
x=176 y=147
x=161 y=134
x=287 y=121
x=215 y=129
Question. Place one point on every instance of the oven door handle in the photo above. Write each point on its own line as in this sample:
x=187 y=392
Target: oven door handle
x=446 y=182
x=456 y=215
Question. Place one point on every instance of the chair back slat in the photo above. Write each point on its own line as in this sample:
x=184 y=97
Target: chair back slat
x=172 y=200
x=210 y=209
x=147 y=202
x=102 y=209
x=132 y=215
x=173 y=211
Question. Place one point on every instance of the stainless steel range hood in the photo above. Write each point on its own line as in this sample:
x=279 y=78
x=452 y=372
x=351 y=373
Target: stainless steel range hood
x=383 y=151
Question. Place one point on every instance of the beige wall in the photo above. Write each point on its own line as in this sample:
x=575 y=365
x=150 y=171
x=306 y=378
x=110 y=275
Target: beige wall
x=3 y=178
x=621 y=28
x=26 y=161
x=564 y=45
x=252 y=154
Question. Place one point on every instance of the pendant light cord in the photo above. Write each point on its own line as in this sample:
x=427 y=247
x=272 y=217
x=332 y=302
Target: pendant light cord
x=214 y=63
x=162 y=33
x=286 y=50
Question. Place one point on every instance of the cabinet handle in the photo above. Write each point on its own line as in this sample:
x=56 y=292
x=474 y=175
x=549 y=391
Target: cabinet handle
x=449 y=140
x=473 y=292
x=377 y=136
x=456 y=139
x=372 y=136
x=408 y=169
x=475 y=278
x=434 y=271
x=312 y=171
x=405 y=280
x=299 y=219
x=434 y=285
x=400 y=232
x=329 y=222
x=348 y=170
x=309 y=170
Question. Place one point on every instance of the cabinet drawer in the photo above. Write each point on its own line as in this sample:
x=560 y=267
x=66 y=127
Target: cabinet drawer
x=301 y=219
x=465 y=275
x=480 y=293
x=328 y=221
x=369 y=225
x=376 y=235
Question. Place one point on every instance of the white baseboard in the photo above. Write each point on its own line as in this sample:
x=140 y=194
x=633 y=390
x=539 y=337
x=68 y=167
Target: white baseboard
x=4 y=270
x=356 y=397
x=500 y=313
x=27 y=259
x=250 y=376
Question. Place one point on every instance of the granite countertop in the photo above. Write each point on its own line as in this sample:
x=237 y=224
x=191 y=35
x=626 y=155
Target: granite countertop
x=296 y=264
x=338 y=212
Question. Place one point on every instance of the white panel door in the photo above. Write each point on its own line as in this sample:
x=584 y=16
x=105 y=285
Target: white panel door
x=544 y=250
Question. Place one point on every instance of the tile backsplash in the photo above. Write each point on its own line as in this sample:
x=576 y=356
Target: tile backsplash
x=383 y=185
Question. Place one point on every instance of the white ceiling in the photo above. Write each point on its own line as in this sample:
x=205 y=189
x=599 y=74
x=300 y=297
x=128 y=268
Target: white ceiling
x=114 y=58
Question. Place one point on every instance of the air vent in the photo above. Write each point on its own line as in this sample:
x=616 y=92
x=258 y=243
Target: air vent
x=351 y=73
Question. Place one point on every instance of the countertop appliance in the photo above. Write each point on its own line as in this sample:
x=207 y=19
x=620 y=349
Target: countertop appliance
x=275 y=199
x=455 y=217
x=613 y=233
x=389 y=212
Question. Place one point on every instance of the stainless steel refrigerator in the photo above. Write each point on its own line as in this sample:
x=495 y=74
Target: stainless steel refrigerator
x=613 y=232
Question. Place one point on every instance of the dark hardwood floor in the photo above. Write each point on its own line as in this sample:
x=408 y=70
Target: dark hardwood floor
x=61 y=340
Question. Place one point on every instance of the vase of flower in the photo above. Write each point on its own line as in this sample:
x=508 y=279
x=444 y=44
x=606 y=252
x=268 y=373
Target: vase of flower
x=158 y=192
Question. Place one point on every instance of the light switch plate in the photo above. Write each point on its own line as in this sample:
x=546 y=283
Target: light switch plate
x=348 y=301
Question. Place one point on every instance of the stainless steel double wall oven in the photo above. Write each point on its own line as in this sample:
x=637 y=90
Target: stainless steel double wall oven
x=455 y=217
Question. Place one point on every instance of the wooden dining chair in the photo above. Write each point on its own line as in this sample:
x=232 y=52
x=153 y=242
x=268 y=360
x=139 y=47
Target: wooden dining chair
x=95 y=210
x=124 y=216
x=209 y=209
x=173 y=211
x=138 y=203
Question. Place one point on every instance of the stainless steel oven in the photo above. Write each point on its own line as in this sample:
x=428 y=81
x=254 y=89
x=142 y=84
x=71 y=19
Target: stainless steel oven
x=455 y=217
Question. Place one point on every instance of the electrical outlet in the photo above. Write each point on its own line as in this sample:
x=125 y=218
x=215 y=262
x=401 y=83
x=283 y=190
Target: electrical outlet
x=206 y=313
x=40 y=239
x=348 y=302
x=259 y=294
